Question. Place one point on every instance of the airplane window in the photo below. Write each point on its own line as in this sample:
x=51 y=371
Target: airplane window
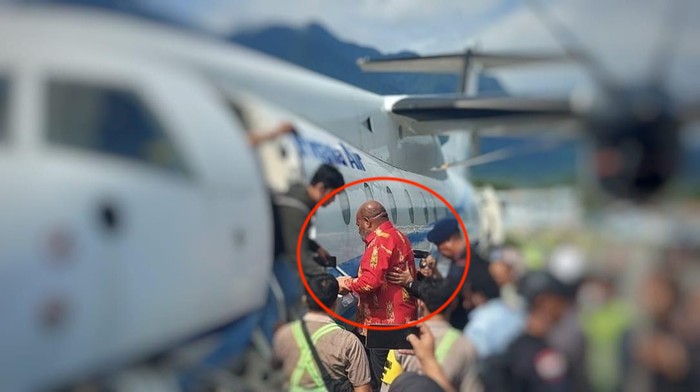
x=344 y=206
x=411 y=213
x=4 y=92
x=435 y=211
x=110 y=121
x=392 y=204
x=425 y=208
x=368 y=192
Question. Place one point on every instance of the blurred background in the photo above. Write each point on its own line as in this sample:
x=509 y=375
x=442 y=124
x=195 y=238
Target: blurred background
x=634 y=255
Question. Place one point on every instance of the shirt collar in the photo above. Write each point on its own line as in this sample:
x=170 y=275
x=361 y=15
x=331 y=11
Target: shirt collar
x=317 y=317
x=307 y=200
x=462 y=259
x=433 y=322
x=383 y=227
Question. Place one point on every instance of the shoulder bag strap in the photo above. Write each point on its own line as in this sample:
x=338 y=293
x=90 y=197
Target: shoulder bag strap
x=324 y=373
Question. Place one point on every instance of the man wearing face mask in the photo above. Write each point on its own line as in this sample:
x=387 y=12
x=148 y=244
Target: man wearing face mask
x=380 y=301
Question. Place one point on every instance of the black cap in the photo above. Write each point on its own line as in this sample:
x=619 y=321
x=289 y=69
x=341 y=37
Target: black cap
x=443 y=230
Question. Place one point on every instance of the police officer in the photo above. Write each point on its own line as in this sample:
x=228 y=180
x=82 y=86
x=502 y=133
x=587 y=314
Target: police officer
x=451 y=244
x=530 y=364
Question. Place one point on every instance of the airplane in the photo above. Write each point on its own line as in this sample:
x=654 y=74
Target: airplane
x=136 y=216
x=634 y=129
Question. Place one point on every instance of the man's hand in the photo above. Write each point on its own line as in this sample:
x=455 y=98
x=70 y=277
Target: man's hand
x=344 y=284
x=424 y=350
x=323 y=252
x=399 y=276
x=285 y=127
x=423 y=346
x=324 y=258
x=257 y=137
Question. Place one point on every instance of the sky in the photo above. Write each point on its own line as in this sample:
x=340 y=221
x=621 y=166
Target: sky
x=623 y=36
x=388 y=25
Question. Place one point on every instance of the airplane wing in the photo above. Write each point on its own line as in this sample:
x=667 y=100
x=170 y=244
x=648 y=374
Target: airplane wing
x=440 y=113
x=436 y=114
x=454 y=63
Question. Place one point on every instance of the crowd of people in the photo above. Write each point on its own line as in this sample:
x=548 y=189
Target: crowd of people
x=509 y=327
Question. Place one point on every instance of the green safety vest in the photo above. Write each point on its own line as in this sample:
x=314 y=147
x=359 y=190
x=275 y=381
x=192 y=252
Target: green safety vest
x=306 y=362
x=446 y=343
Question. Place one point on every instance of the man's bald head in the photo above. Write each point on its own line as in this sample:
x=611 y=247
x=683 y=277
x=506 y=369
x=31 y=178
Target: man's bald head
x=370 y=215
x=371 y=209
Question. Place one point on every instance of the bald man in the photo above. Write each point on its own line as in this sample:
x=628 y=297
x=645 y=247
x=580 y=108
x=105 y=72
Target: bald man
x=380 y=301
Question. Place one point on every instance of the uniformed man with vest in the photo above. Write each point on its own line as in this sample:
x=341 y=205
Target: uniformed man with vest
x=454 y=352
x=340 y=352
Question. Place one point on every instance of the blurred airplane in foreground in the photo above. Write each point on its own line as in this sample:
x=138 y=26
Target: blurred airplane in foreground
x=136 y=217
x=137 y=220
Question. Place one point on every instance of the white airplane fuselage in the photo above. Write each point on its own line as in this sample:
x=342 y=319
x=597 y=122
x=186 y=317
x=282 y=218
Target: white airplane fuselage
x=115 y=246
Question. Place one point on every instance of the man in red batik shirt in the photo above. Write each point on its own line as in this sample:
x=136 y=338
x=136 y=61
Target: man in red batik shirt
x=380 y=301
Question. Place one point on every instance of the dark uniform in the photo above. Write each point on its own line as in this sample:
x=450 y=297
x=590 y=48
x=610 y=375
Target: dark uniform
x=291 y=210
x=460 y=315
x=529 y=365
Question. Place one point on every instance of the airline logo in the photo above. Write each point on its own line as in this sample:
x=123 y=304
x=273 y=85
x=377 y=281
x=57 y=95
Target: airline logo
x=333 y=155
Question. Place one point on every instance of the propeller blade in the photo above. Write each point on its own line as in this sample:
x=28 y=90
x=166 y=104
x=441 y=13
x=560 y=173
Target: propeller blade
x=499 y=155
x=667 y=44
x=573 y=47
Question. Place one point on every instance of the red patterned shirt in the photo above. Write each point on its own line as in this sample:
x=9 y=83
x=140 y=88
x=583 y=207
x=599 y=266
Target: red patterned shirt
x=382 y=302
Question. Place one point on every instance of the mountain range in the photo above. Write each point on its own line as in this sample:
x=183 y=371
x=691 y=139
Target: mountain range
x=315 y=48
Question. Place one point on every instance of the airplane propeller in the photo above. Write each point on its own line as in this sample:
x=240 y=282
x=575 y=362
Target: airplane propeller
x=635 y=129
x=499 y=155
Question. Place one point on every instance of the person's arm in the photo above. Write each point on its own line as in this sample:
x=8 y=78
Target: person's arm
x=373 y=267
x=469 y=380
x=321 y=251
x=292 y=220
x=424 y=350
x=278 y=352
x=257 y=137
x=399 y=276
x=314 y=246
x=405 y=279
x=357 y=365
x=363 y=388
